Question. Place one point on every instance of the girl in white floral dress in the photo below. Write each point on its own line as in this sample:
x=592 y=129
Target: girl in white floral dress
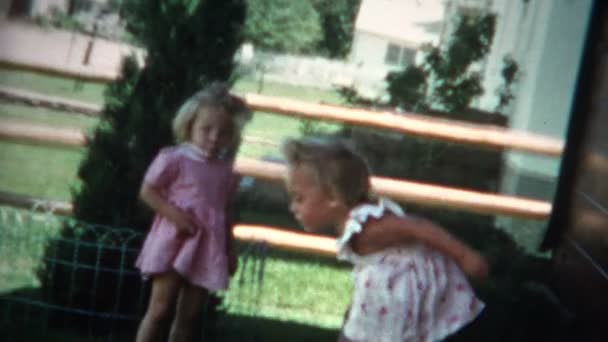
x=409 y=274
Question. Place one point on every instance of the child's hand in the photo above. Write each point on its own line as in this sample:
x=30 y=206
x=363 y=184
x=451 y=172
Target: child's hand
x=475 y=265
x=182 y=220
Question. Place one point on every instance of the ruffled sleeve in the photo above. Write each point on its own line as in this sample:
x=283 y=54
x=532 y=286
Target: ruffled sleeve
x=351 y=228
x=163 y=169
x=357 y=218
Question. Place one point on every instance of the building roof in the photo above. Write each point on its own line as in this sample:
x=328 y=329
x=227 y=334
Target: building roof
x=414 y=22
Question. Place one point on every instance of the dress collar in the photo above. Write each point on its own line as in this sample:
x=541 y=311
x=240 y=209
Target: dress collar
x=194 y=152
x=198 y=153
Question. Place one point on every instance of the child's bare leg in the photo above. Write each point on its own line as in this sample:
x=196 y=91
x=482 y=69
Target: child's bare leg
x=165 y=288
x=189 y=305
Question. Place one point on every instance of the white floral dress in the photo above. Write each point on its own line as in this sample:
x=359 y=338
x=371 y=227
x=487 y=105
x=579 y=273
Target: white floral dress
x=410 y=293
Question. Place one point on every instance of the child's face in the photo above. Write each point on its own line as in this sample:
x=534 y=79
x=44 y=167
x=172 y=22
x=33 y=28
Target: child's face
x=211 y=131
x=309 y=203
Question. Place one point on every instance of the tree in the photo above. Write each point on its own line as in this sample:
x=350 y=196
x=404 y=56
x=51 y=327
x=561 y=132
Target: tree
x=408 y=89
x=283 y=25
x=510 y=74
x=189 y=43
x=447 y=78
x=309 y=26
x=337 y=24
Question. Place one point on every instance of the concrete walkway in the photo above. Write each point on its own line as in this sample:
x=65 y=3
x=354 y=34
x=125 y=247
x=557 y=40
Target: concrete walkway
x=27 y=46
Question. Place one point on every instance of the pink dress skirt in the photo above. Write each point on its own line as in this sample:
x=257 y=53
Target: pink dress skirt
x=202 y=188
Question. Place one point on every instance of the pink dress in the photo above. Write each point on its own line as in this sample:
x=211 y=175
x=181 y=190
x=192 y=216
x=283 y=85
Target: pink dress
x=203 y=188
x=410 y=293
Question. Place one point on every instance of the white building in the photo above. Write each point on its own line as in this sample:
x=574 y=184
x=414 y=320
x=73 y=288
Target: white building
x=41 y=8
x=545 y=38
x=33 y=8
x=389 y=33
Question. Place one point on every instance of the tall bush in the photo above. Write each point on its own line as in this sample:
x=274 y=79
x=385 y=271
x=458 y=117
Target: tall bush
x=448 y=79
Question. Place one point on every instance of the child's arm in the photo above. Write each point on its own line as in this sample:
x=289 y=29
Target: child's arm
x=152 y=197
x=393 y=231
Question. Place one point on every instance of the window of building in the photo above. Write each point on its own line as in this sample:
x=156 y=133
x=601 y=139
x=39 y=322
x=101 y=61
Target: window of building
x=397 y=55
x=392 y=54
x=407 y=56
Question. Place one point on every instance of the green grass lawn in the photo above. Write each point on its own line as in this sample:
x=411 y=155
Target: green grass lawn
x=307 y=289
x=23 y=236
x=303 y=289
x=38 y=171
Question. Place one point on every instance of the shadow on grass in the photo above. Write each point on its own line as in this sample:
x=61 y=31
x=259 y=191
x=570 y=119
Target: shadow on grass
x=521 y=312
x=25 y=317
x=254 y=329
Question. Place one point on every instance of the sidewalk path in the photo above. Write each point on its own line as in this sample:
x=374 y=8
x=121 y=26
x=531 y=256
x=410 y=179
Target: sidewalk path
x=28 y=46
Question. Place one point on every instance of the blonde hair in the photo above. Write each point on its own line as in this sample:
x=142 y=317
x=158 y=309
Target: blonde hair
x=215 y=96
x=337 y=167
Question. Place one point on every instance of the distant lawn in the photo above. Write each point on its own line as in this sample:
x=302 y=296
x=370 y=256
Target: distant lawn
x=22 y=164
x=287 y=90
x=50 y=85
x=47 y=117
x=93 y=92
x=38 y=171
x=51 y=171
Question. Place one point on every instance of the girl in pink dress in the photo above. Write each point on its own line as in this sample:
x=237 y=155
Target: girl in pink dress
x=409 y=274
x=188 y=250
